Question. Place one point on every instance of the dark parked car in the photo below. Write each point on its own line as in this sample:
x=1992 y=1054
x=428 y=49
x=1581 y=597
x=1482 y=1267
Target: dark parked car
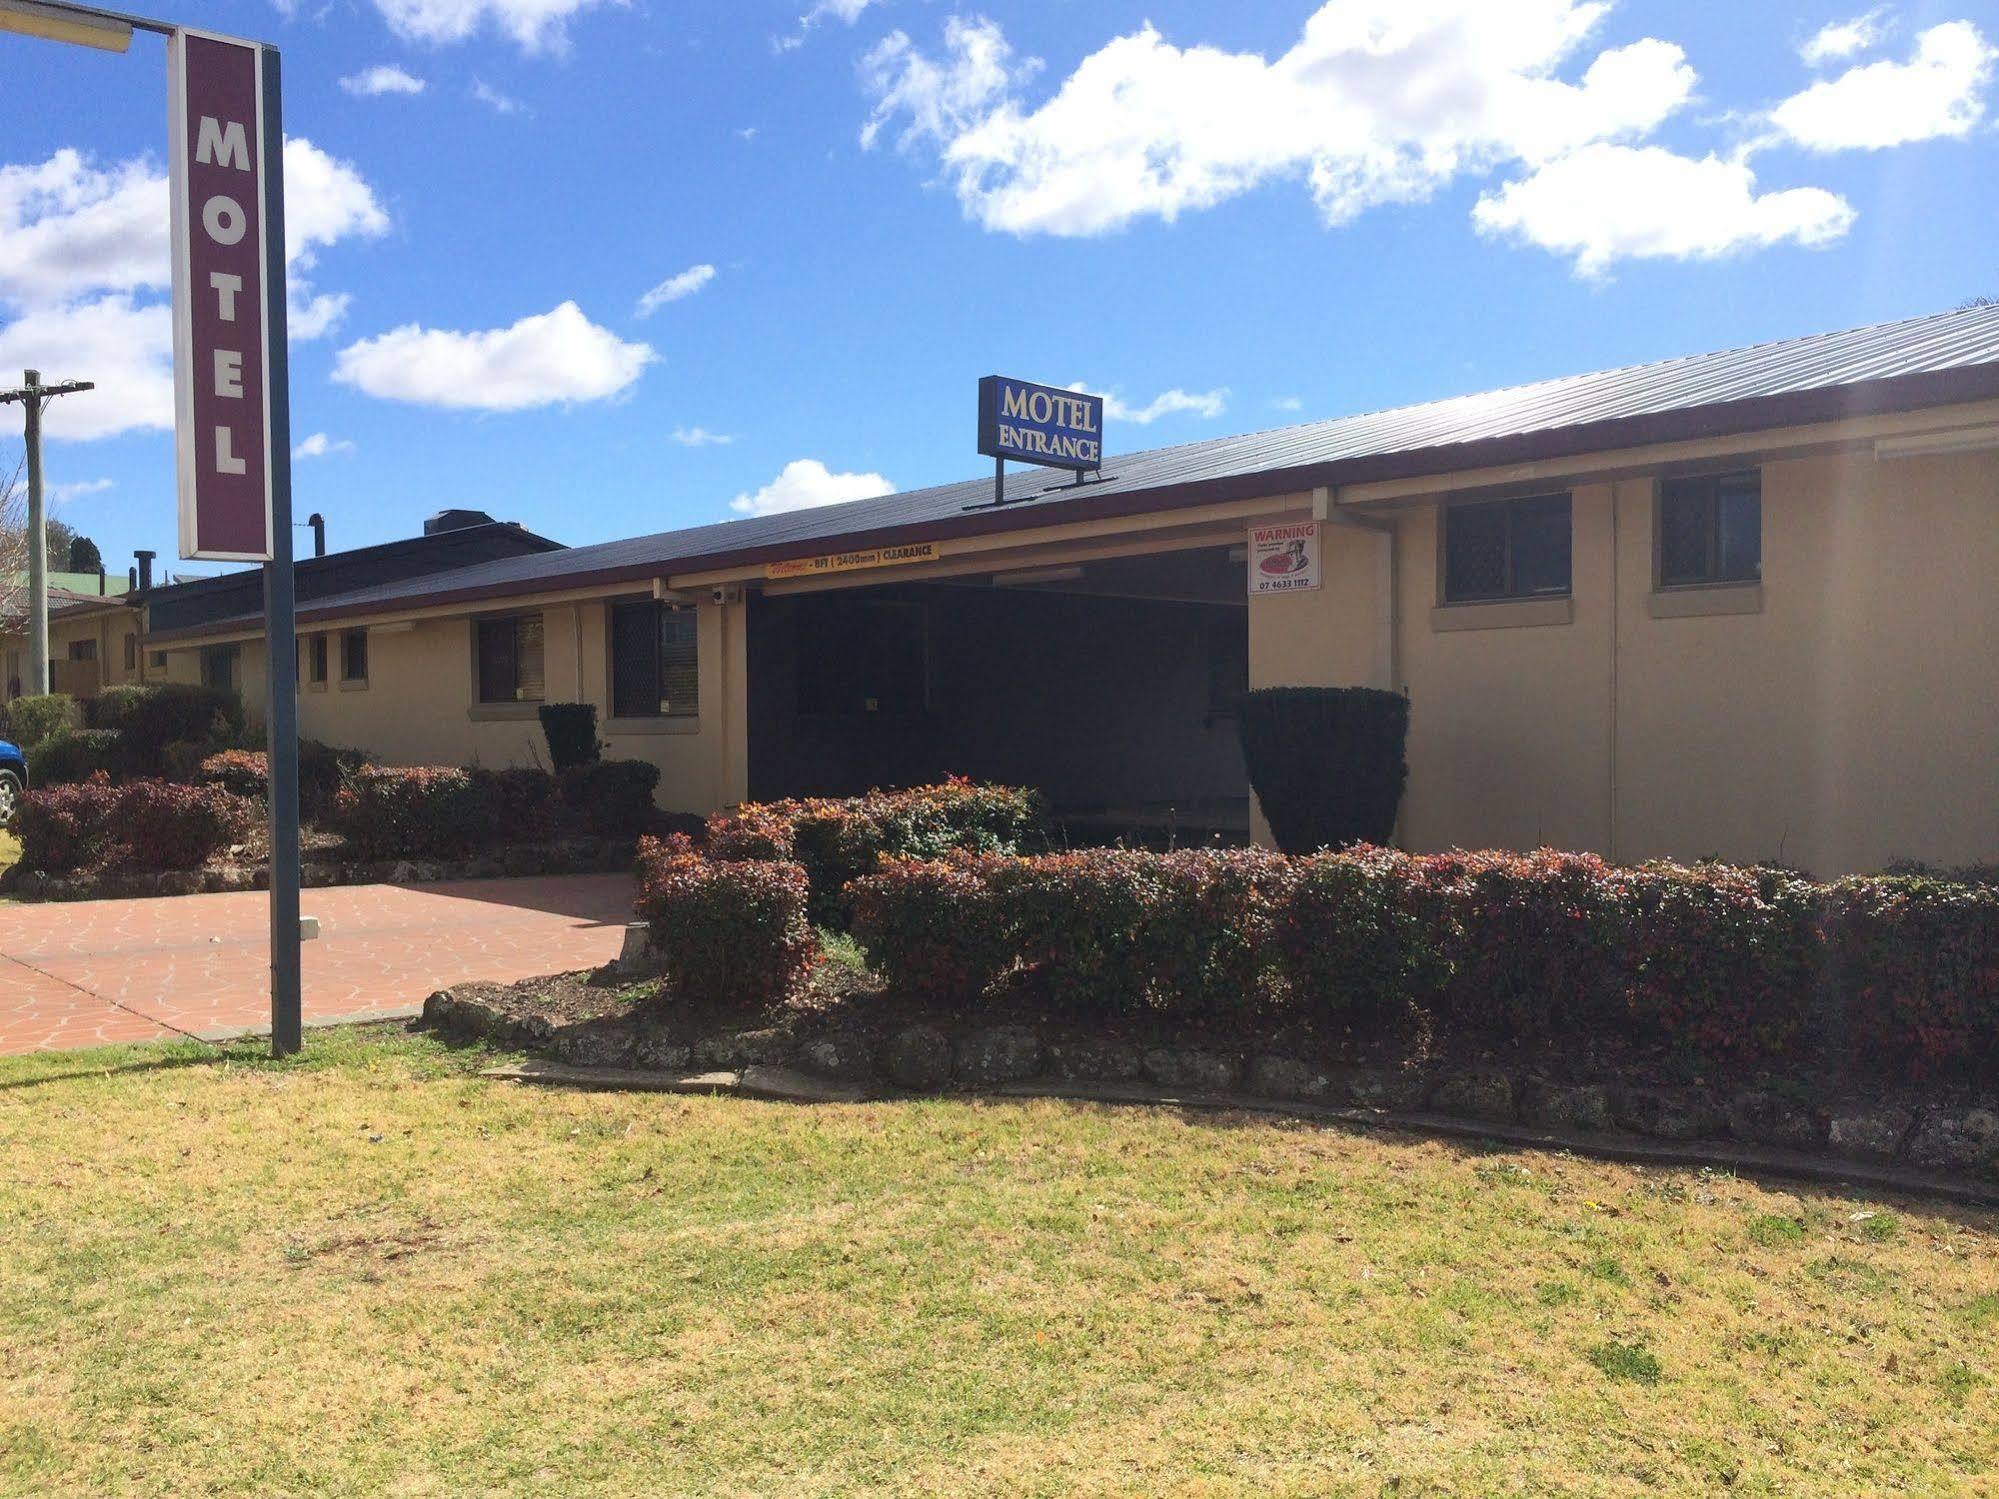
x=13 y=780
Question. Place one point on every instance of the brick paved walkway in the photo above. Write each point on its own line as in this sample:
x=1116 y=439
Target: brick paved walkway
x=135 y=970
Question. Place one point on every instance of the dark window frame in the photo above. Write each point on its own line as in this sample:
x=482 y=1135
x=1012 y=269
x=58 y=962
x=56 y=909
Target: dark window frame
x=230 y=654
x=1704 y=490
x=316 y=668
x=348 y=638
x=507 y=635
x=131 y=653
x=1513 y=509
x=677 y=684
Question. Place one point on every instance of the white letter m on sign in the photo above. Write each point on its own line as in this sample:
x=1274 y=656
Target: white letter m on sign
x=224 y=145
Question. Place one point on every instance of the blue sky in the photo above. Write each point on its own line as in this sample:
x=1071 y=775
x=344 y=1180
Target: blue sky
x=1231 y=216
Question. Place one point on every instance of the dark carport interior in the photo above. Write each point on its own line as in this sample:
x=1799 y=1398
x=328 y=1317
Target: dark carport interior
x=1109 y=685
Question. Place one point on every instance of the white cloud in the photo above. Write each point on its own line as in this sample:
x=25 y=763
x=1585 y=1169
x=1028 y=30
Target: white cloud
x=1605 y=203
x=1938 y=92
x=67 y=227
x=700 y=437
x=1206 y=403
x=1379 y=101
x=493 y=99
x=326 y=201
x=805 y=483
x=553 y=357
x=682 y=284
x=1287 y=403
x=81 y=246
x=126 y=347
x=533 y=25
x=385 y=78
x=1838 y=40
x=846 y=12
x=319 y=445
x=62 y=494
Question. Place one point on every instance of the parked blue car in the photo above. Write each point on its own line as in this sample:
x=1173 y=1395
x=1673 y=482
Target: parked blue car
x=13 y=781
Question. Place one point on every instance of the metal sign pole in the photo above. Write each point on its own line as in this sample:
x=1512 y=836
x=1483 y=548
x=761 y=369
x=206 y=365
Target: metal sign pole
x=280 y=622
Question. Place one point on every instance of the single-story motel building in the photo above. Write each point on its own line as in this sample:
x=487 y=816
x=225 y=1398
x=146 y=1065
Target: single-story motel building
x=1741 y=604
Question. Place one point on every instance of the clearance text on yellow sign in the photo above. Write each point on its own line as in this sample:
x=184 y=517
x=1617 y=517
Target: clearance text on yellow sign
x=846 y=562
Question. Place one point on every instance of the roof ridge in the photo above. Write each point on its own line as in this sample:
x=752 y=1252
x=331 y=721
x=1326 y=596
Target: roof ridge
x=1735 y=351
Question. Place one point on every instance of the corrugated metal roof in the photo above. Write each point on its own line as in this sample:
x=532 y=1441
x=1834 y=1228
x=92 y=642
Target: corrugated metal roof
x=1903 y=365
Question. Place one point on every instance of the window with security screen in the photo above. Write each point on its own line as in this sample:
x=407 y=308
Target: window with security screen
x=509 y=657
x=1710 y=530
x=655 y=666
x=1506 y=549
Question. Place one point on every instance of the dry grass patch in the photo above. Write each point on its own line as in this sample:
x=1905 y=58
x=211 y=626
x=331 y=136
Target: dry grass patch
x=373 y=1272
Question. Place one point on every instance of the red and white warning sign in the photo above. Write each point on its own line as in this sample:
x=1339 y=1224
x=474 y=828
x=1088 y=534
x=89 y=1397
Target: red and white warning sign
x=1285 y=558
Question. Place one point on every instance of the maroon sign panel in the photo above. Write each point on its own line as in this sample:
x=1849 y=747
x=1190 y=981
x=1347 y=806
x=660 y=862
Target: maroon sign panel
x=221 y=321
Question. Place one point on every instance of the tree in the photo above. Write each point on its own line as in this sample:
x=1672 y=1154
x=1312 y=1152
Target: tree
x=84 y=556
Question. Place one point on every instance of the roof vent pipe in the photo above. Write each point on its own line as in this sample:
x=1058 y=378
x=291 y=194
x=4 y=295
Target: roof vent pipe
x=318 y=524
x=145 y=569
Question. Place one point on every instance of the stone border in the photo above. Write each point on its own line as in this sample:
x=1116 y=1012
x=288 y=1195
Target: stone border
x=1940 y=1150
x=784 y=1084
x=611 y=855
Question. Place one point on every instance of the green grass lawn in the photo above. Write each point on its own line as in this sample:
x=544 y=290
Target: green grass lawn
x=370 y=1271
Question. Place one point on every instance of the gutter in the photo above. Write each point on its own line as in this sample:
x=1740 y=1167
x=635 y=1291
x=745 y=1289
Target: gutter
x=1831 y=403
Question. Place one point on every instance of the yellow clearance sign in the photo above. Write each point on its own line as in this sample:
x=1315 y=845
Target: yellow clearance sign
x=847 y=562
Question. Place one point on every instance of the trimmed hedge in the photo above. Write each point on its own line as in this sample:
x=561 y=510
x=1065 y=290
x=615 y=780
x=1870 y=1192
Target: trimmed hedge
x=932 y=927
x=571 y=732
x=1725 y=965
x=67 y=827
x=322 y=770
x=841 y=839
x=154 y=716
x=167 y=826
x=1915 y=963
x=1327 y=763
x=143 y=825
x=443 y=812
x=29 y=720
x=74 y=755
x=729 y=931
x=414 y=812
x=611 y=796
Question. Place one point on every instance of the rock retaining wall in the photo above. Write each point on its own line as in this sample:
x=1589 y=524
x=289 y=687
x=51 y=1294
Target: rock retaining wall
x=1962 y=1140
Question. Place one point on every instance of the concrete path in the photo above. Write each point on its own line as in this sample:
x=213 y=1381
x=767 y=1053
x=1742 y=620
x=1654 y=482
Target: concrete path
x=91 y=972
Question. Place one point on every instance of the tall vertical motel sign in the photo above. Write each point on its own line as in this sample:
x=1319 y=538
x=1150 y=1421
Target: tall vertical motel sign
x=232 y=399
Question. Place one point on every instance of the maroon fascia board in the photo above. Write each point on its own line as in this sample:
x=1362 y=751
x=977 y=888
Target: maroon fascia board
x=1721 y=419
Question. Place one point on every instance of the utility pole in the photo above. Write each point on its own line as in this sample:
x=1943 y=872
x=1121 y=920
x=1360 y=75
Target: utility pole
x=31 y=393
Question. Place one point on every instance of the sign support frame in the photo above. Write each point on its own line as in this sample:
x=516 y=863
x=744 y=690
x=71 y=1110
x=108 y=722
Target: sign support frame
x=280 y=592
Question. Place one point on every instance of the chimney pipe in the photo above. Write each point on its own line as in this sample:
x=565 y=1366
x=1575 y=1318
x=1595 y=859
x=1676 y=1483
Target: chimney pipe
x=145 y=569
x=318 y=524
x=103 y=581
x=132 y=579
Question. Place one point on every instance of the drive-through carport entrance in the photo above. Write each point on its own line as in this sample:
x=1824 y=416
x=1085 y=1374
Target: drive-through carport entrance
x=1109 y=684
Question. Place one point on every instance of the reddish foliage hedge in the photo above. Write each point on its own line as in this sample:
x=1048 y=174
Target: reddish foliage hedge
x=732 y=931
x=1721 y=959
x=167 y=826
x=66 y=827
x=414 y=811
x=1737 y=966
x=840 y=839
x=1915 y=965
x=144 y=825
x=932 y=927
